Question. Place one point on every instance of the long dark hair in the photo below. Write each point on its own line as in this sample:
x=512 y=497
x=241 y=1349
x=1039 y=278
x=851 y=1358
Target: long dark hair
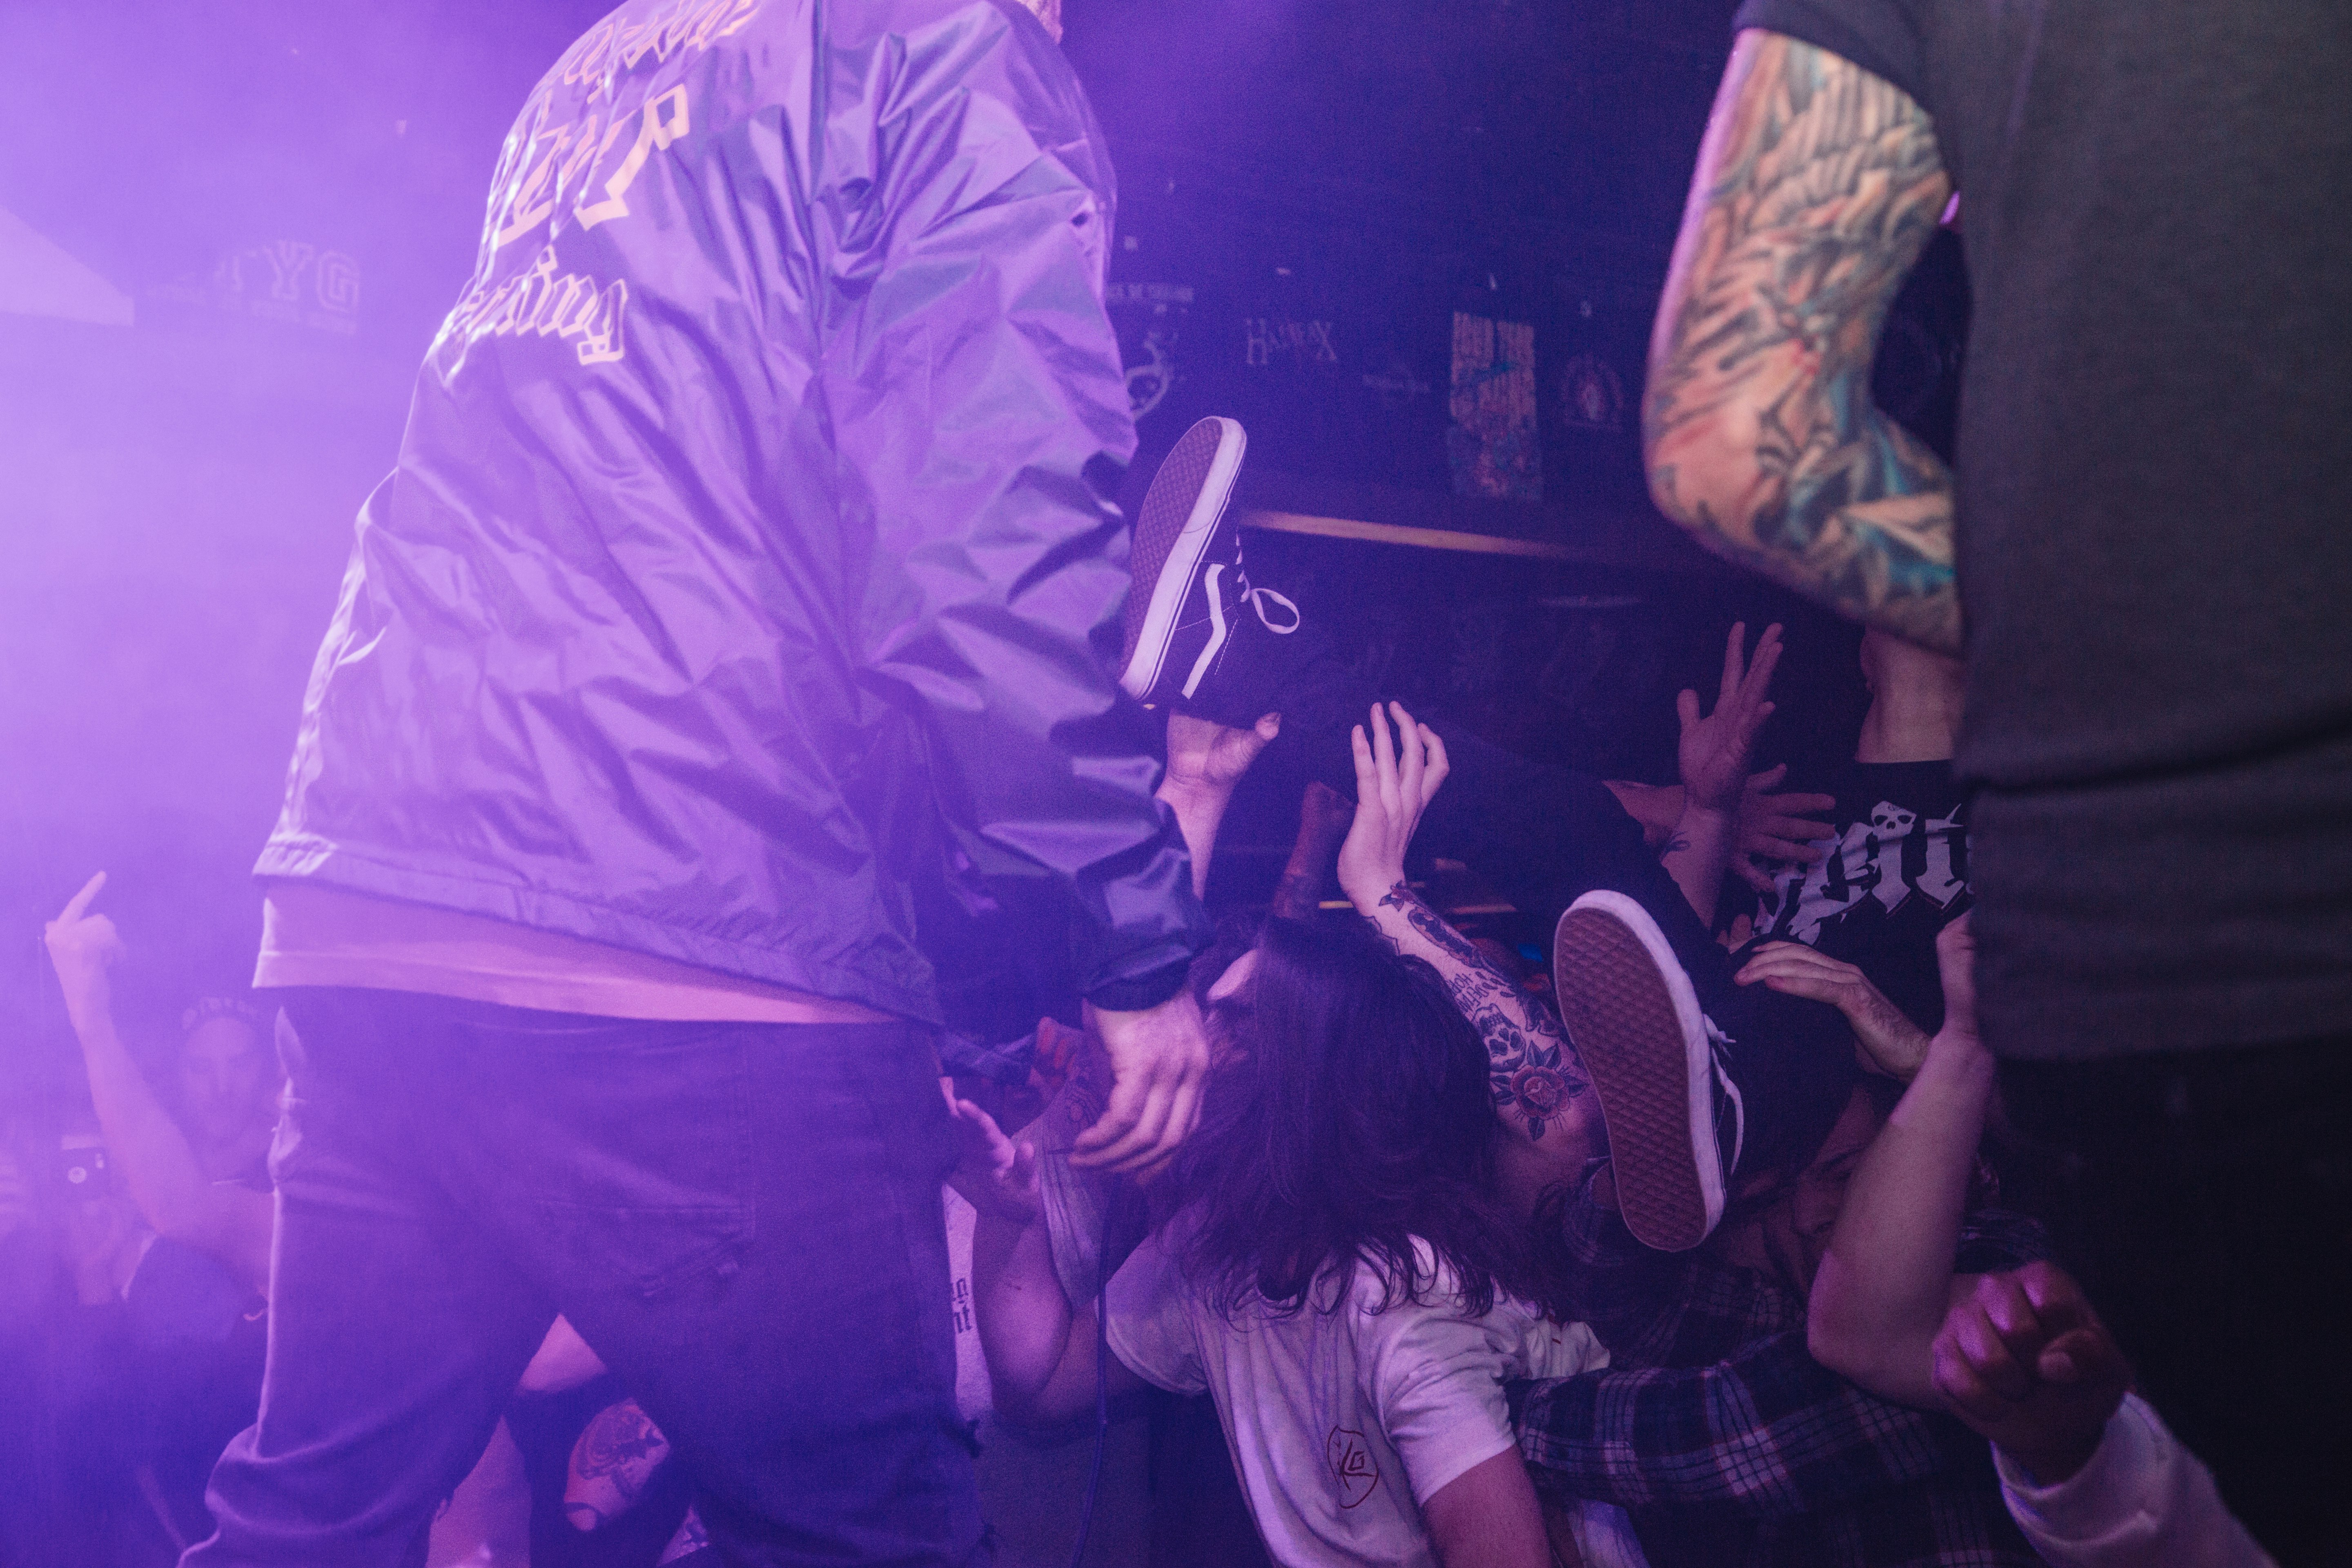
x=1350 y=1114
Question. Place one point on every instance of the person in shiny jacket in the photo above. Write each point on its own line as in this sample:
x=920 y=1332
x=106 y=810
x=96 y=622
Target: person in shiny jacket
x=749 y=544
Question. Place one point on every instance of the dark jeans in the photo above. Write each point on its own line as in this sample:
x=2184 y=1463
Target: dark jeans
x=2205 y=1198
x=742 y=1220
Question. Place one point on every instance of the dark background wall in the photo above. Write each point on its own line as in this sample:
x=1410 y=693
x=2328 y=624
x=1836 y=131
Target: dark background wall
x=290 y=194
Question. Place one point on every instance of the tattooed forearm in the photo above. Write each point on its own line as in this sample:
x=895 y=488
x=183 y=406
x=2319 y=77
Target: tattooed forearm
x=1817 y=187
x=1531 y=1068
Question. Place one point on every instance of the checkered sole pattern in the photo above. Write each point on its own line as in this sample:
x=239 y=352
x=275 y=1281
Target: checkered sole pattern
x=1621 y=1012
x=1176 y=531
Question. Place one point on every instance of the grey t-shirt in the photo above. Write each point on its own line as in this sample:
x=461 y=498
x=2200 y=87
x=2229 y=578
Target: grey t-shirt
x=2154 y=501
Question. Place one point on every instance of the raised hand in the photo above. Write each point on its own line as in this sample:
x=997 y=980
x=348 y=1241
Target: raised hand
x=1205 y=760
x=1955 y=965
x=1714 y=749
x=1395 y=781
x=1206 y=757
x=82 y=947
x=1778 y=826
x=1891 y=1042
x=996 y=1176
x=2025 y=1361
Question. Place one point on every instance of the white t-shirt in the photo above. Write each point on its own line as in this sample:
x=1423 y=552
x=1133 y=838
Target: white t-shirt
x=1343 y=1422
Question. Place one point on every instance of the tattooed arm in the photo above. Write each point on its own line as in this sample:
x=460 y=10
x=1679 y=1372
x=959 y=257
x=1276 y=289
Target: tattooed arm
x=1539 y=1086
x=1817 y=185
x=1533 y=1069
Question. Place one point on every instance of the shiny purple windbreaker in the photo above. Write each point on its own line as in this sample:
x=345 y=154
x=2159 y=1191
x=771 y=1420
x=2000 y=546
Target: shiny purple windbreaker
x=751 y=538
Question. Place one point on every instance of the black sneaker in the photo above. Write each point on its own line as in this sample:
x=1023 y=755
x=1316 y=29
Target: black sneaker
x=1673 y=1115
x=1191 y=599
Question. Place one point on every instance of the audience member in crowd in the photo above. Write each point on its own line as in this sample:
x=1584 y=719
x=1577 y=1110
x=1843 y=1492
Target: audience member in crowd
x=2149 y=515
x=1332 y=1262
x=28 y=1280
x=1716 y=1428
x=168 y=1243
x=1550 y=1121
x=229 y=1082
x=200 y=1184
x=2020 y=1355
x=182 y=1200
x=1338 y=1271
x=601 y=1495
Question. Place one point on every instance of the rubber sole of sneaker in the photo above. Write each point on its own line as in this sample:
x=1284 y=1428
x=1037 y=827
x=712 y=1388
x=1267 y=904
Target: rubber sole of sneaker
x=1172 y=529
x=1646 y=1052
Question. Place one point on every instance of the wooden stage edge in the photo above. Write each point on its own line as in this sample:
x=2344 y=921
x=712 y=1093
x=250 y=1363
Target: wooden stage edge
x=1397 y=533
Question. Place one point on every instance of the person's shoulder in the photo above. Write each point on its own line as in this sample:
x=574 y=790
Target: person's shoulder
x=942 y=57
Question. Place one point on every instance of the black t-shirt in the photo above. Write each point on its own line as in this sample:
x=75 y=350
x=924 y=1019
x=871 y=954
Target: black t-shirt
x=2155 y=516
x=1897 y=873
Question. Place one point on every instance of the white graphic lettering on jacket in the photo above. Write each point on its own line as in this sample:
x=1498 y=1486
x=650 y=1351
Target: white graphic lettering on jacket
x=572 y=176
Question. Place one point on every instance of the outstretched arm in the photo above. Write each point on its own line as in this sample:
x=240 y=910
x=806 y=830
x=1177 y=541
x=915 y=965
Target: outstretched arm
x=1539 y=1085
x=231 y=1223
x=1817 y=186
x=1041 y=1355
x=1205 y=765
x=1887 y=1280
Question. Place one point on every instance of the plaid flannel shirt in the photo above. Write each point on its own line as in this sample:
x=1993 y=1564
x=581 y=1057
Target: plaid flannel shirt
x=1731 y=1448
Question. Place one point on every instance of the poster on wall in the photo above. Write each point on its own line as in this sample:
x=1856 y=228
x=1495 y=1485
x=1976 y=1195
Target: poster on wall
x=1495 y=447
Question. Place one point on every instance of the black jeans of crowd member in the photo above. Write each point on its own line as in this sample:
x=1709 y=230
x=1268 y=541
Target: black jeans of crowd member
x=2206 y=1199
x=743 y=1220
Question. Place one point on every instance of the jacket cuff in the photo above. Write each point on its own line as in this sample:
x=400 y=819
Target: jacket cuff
x=1144 y=991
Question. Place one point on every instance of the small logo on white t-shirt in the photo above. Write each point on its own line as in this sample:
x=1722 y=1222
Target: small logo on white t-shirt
x=1352 y=1462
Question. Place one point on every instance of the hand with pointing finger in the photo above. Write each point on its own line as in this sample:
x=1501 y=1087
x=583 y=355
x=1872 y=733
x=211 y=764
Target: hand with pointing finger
x=82 y=948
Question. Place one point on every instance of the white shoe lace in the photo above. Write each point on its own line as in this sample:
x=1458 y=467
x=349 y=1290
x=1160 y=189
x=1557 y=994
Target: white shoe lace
x=1717 y=1040
x=1258 y=598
